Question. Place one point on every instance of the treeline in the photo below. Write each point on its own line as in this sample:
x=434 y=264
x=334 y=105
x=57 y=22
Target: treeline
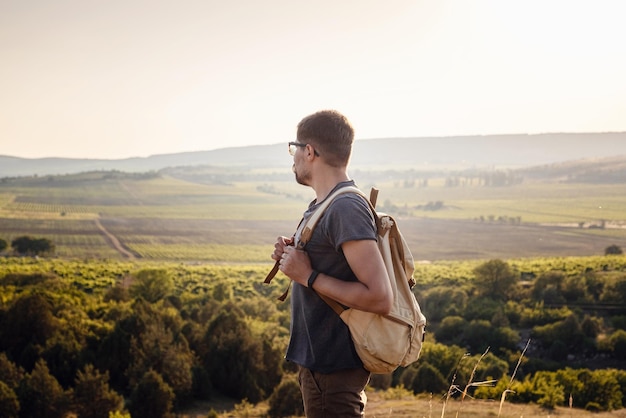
x=150 y=339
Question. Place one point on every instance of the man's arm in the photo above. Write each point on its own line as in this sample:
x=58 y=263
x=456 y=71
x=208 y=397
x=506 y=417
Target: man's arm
x=371 y=293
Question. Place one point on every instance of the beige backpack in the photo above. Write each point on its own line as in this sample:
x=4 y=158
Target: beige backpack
x=383 y=342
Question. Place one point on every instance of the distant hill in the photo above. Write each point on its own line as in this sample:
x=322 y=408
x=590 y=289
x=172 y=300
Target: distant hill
x=589 y=170
x=459 y=152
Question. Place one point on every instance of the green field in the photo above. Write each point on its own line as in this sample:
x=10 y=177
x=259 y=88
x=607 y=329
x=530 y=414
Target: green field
x=161 y=217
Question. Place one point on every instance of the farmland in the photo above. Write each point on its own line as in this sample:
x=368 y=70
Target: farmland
x=157 y=216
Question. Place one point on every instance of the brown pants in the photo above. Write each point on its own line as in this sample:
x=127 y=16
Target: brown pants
x=340 y=394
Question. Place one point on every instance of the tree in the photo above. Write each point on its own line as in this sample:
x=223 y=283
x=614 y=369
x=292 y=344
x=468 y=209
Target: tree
x=9 y=404
x=444 y=358
x=615 y=292
x=428 y=379
x=152 y=397
x=567 y=332
x=156 y=349
x=548 y=286
x=10 y=373
x=26 y=327
x=26 y=245
x=41 y=395
x=613 y=250
x=444 y=301
x=93 y=398
x=151 y=284
x=3 y=245
x=617 y=342
x=495 y=279
x=233 y=357
x=147 y=337
x=600 y=387
x=450 y=331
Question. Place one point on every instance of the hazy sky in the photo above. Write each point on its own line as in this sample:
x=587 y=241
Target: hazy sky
x=122 y=78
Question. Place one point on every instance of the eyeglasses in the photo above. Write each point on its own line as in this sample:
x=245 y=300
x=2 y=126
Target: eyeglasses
x=293 y=147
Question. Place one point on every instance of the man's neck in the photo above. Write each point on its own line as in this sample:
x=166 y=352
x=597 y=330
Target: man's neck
x=324 y=185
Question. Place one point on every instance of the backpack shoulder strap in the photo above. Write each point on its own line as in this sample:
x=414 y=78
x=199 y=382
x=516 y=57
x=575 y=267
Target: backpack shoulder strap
x=309 y=225
x=307 y=231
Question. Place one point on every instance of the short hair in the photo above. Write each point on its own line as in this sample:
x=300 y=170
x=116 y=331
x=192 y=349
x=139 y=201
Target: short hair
x=330 y=133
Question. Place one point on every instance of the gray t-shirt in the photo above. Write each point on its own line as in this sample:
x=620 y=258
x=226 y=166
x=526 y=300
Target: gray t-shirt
x=319 y=339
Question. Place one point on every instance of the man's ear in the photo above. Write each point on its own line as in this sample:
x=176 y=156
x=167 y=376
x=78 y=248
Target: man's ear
x=311 y=151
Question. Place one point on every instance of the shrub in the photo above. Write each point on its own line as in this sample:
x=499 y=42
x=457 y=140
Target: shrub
x=568 y=332
x=151 y=284
x=617 y=342
x=593 y=407
x=451 y=330
x=286 y=400
x=550 y=395
x=152 y=397
x=429 y=380
x=613 y=250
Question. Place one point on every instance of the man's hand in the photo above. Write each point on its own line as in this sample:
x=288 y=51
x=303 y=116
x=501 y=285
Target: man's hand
x=296 y=265
x=279 y=247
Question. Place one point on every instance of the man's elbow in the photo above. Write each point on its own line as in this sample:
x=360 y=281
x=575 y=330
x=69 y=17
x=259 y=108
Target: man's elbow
x=385 y=304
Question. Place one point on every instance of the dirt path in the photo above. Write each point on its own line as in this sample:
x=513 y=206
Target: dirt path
x=114 y=242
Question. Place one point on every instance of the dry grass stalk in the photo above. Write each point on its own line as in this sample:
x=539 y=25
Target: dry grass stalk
x=471 y=383
x=452 y=387
x=508 y=387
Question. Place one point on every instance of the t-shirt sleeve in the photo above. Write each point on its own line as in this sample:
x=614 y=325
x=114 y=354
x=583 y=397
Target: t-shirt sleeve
x=348 y=218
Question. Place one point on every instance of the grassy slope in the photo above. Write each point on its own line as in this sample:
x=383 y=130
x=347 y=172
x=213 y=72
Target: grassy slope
x=419 y=407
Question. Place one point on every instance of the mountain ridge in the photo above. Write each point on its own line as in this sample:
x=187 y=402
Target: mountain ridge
x=509 y=150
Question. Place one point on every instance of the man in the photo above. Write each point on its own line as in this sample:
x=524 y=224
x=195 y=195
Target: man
x=341 y=261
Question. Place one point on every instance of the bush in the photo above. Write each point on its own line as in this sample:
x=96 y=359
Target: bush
x=613 y=250
x=617 y=341
x=427 y=379
x=450 y=330
x=286 y=400
x=3 y=245
x=152 y=397
x=593 y=407
x=151 y=284
x=443 y=301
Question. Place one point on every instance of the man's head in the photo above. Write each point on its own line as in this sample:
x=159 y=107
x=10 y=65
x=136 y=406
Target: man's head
x=330 y=133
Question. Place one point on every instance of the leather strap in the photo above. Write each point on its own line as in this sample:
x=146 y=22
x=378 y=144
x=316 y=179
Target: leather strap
x=307 y=231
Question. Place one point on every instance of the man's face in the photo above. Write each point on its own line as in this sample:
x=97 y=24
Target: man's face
x=298 y=151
